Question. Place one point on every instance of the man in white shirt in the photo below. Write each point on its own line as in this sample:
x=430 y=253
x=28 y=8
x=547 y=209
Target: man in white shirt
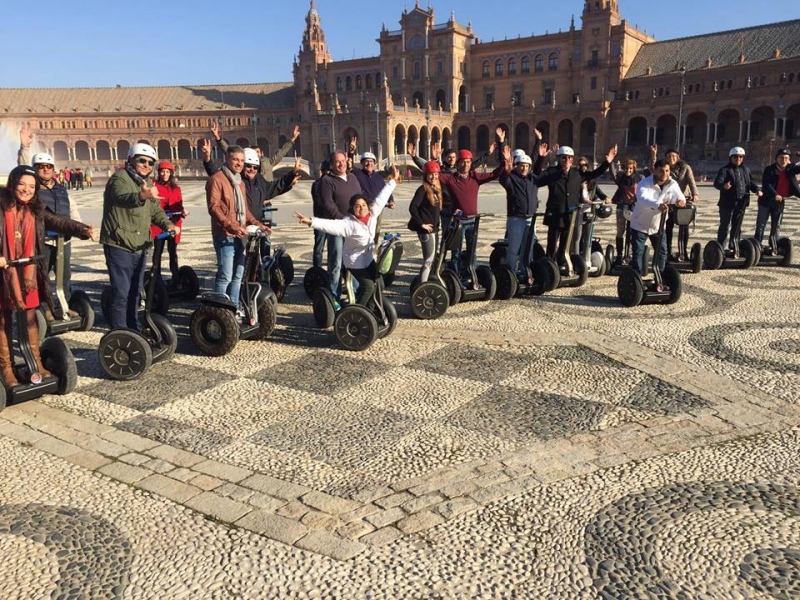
x=654 y=194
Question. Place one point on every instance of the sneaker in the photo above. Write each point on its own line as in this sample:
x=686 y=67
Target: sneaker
x=337 y=306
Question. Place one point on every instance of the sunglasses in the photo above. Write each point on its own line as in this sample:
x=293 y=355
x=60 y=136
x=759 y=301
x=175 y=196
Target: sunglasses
x=145 y=161
x=567 y=157
x=251 y=167
x=45 y=167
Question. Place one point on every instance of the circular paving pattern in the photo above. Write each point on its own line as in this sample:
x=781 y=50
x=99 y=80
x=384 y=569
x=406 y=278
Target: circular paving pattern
x=754 y=280
x=93 y=556
x=665 y=542
x=752 y=345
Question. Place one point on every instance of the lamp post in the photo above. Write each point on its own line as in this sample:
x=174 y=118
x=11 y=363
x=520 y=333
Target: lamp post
x=428 y=137
x=511 y=133
x=254 y=122
x=333 y=122
x=680 y=110
x=378 y=130
x=594 y=149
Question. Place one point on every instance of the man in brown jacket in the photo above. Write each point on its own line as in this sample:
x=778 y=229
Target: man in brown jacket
x=227 y=204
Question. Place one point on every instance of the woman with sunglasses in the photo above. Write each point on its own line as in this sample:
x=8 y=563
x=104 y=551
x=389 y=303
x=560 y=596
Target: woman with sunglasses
x=131 y=203
x=22 y=234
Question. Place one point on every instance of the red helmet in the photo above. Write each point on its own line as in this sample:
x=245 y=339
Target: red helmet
x=165 y=164
x=432 y=166
x=464 y=155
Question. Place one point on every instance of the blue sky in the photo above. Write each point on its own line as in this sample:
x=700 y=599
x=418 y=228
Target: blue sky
x=96 y=43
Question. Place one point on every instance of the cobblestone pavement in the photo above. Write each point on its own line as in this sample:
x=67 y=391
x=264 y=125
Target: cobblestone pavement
x=556 y=447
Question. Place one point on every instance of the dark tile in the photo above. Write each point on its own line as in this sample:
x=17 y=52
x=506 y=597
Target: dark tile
x=465 y=361
x=165 y=382
x=321 y=372
x=522 y=415
x=337 y=432
x=661 y=398
x=175 y=433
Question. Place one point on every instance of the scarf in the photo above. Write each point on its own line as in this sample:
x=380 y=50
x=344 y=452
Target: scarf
x=20 y=226
x=241 y=213
x=433 y=193
x=364 y=219
x=131 y=170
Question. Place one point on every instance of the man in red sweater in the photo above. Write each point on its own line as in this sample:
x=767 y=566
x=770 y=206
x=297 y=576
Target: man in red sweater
x=464 y=186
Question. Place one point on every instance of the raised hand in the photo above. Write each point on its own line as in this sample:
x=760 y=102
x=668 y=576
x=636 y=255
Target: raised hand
x=25 y=136
x=611 y=154
x=543 y=150
x=295 y=133
x=215 y=129
x=654 y=150
x=537 y=134
x=411 y=150
x=149 y=192
x=436 y=150
x=205 y=148
x=501 y=134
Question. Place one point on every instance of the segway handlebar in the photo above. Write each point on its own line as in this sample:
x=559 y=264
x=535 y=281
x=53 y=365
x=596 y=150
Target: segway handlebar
x=24 y=260
x=165 y=234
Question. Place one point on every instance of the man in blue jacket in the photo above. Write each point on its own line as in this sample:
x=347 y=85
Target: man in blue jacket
x=778 y=182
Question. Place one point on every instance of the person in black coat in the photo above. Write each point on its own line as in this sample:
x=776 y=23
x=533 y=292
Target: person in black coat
x=778 y=182
x=735 y=183
x=565 y=184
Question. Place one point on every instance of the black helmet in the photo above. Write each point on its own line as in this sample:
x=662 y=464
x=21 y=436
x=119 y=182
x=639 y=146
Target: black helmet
x=603 y=211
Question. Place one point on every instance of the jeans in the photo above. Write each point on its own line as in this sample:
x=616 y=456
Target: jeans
x=126 y=271
x=335 y=257
x=320 y=237
x=516 y=227
x=467 y=231
x=730 y=217
x=50 y=251
x=230 y=267
x=428 y=241
x=775 y=214
x=638 y=241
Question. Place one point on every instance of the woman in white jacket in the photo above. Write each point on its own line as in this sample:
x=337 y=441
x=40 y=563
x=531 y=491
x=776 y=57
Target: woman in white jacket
x=358 y=230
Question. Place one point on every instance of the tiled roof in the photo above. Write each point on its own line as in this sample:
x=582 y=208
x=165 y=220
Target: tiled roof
x=724 y=48
x=146 y=99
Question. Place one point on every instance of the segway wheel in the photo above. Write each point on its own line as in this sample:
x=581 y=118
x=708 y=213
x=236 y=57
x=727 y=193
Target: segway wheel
x=785 y=250
x=672 y=279
x=611 y=254
x=453 y=285
x=580 y=269
x=554 y=276
x=315 y=278
x=429 y=300
x=286 y=265
x=696 y=257
x=41 y=324
x=169 y=338
x=355 y=327
x=713 y=255
x=541 y=273
x=81 y=305
x=757 y=247
x=323 y=307
x=506 y=283
x=487 y=281
x=277 y=283
x=630 y=288
x=124 y=354
x=57 y=358
x=497 y=258
x=266 y=320
x=391 y=319
x=538 y=251
x=597 y=260
x=188 y=283
x=160 y=303
x=748 y=252
x=106 y=297
x=214 y=330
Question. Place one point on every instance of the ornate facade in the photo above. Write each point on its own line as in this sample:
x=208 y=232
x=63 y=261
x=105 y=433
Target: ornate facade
x=589 y=87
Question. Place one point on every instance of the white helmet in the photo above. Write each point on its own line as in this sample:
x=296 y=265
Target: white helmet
x=43 y=158
x=517 y=153
x=565 y=151
x=141 y=149
x=368 y=156
x=523 y=160
x=251 y=157
x=737 y=151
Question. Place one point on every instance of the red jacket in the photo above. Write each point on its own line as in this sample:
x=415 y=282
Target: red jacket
x=171 y=202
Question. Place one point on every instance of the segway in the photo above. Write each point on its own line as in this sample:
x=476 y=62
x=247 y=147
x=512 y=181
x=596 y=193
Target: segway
x=634 y=289
x=357 y=327
x=741 y=254
x=573 y=272
x=392 y=261
x=777 y=252
x=274 y=266
x=684 y=260
x=79 y=303
x=182 y=288
x=475 y=283
x=616 y=265
x=157 y=293
x=56 y=358
x=429 y=299
x=126 y=354
x=218 y=325
x=590 y=248
x=541 y=273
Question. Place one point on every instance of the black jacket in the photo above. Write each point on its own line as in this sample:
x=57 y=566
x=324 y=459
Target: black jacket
x=741 y=180
x=522 y=192
x=422 y=212
x=565 y=191
x=769 y=183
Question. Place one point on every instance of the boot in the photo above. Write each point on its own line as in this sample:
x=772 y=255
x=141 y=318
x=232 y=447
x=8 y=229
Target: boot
x=33 y=338
x=620 y=244
x=6 y=352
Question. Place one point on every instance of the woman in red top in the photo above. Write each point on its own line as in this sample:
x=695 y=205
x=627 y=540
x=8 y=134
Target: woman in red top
x=172 y=204
x=22 y=233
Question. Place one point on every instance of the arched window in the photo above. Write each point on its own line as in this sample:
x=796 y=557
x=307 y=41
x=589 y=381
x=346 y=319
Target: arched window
x=358 y=82
x=498 y=67
x=525 y=66
x=348 y=83
x=417 y=70
x=485 y=69
x=552 y=62
x=368 y=82
x=338 y=84
x=512 y=66
x=538 y=63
